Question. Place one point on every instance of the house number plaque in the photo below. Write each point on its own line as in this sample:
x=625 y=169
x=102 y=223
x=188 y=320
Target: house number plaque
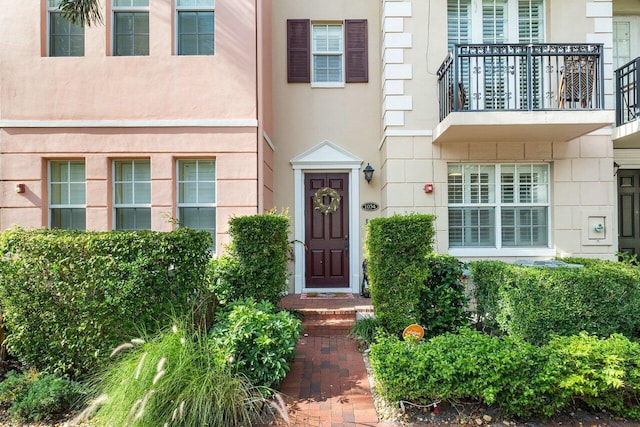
x=370 y=206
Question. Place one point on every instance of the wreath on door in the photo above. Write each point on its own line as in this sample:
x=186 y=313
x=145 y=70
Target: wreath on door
x=318 y=200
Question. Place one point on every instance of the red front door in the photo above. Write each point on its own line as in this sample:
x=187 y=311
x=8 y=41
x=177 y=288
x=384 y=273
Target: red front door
x=327 y=230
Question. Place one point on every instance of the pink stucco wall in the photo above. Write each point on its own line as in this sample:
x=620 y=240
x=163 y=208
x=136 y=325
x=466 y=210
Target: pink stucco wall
x=99 y=86
x=216 y=96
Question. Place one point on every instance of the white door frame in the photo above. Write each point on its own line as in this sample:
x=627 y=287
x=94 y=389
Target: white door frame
x=326 y=157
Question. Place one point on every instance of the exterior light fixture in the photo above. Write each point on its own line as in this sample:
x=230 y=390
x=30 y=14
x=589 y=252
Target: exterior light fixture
x=368 y=173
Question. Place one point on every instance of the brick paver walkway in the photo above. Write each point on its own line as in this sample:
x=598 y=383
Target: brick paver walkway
x=328 y=385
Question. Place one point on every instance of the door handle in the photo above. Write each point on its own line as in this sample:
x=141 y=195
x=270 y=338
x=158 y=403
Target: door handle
x=346 y=243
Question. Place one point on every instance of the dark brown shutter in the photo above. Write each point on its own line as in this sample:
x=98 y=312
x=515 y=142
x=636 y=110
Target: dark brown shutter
x=357 y=69
x=298 y=51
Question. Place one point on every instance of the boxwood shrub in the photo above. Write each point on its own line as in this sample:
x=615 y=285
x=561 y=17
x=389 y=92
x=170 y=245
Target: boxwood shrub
x=69 y=297
x=534 y=303
x=256 y=263
x=396 y=248
x=442 y=301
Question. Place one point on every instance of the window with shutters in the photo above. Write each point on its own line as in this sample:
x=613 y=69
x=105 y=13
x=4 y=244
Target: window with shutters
x=498 y=22
x=498 y=205
x=327 y=54
x=621 y=43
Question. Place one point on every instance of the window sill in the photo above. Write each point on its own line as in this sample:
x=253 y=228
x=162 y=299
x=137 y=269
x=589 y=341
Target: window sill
x=327 y=85
x=503 y=252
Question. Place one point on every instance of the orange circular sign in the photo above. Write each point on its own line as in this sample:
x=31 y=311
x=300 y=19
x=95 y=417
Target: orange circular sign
x=414 y=330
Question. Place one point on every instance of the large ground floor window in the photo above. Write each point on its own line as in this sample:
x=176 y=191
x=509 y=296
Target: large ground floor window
x=498 y=205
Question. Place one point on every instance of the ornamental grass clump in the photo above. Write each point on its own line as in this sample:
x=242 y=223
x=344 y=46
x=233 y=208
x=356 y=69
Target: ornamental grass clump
x=175 y=379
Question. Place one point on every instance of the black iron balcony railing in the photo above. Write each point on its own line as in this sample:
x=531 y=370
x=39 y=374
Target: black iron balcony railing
x=628 y=92
x=521 y=77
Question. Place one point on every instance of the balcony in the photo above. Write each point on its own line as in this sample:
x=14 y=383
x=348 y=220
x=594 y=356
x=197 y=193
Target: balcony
x=521 y=92
x=626 y=134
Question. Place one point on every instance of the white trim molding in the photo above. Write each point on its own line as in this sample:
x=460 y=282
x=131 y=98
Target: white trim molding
x=327 y=157
x=400 y=132
x=126 y=123
x=266 y=138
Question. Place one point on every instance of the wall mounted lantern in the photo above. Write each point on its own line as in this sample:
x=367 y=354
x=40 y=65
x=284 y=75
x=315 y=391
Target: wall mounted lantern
x=368 y=173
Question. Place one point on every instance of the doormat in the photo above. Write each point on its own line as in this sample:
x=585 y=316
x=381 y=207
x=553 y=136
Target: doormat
x=326 y=295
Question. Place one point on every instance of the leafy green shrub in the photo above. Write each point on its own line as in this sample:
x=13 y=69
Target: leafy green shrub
x=603 y=373
x=396 y=249
x=69 y=297
x=533 y=303
x=520 y=378
x=365 y=330
x=260 y=340
x=14 y=383
x=442 y=301
x=178 y=378
x=256 y=264
x=467 y=365
x=489 y=277
x=45 y=398
x=224 y=276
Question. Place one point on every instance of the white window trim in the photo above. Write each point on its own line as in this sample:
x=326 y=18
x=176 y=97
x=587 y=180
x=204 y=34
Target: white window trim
x=179 y=204
x=122 y=9
x=497 y=204
x=176 y=34
x=341 y=53
x=68 y=182
x=116 y=205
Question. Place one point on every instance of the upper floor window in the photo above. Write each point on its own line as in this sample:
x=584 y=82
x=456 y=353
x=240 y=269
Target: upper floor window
x=197 y=195
x=130 y=27
x=327 y=54
x=67 y=195
x=132 y=194
x=495 y=21
x=498 y=206
x=195 y=29
x=65 y=38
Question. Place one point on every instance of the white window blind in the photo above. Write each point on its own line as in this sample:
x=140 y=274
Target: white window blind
x=327 y=47
x=511 y=211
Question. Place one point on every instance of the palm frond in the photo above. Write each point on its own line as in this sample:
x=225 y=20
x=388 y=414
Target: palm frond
x=83 y=12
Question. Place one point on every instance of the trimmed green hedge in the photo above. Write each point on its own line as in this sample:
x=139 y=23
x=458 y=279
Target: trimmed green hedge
x=256 y=263
x=442 y=300
x=396 y=251
x=520 y=378
x=533 y=303
x=69 y=297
